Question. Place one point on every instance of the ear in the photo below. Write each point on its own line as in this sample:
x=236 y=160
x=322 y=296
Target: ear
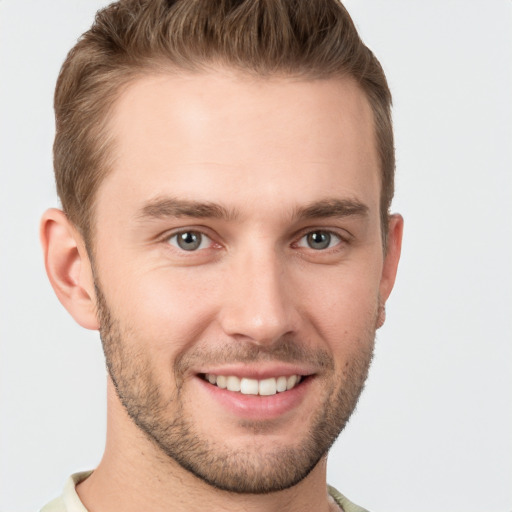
x=391 y=259
x=68 y=267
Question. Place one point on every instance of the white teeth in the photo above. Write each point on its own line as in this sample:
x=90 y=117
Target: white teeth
x=264 y=387
x=233 y=383
x=281 y=384
x=291 y=381
x=267 y=387
x=249 y=386
x=222 y=381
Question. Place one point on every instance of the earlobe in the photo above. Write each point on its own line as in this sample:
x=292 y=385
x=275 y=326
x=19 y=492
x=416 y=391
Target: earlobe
x=68 y=267
x=391 y=259
x=381 y=316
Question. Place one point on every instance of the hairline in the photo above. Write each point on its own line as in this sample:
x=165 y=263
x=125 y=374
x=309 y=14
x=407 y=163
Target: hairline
x=162 y=66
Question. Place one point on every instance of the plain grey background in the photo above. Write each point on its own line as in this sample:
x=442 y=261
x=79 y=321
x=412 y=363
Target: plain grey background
x=433 y=428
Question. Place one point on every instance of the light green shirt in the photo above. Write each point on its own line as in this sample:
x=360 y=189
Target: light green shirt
x=69 y=501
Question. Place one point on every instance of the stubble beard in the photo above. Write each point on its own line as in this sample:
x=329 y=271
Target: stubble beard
x=251 y=470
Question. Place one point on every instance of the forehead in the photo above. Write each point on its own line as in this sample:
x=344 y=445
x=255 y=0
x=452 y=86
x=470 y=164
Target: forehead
x=232 y=138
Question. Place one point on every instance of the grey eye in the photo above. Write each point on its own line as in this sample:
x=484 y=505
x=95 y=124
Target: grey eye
x=190 y=240
x=319 y=240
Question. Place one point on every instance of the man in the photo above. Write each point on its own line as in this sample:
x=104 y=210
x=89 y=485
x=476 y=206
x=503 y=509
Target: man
x=226 y=172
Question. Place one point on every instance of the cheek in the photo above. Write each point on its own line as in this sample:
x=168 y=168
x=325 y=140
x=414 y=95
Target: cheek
x=164 y=310
x=342 y=306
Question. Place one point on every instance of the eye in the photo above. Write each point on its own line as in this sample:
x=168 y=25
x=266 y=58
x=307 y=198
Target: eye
x=319 y=240
x=190 y=240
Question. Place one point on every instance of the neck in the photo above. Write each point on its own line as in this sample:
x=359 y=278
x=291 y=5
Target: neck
x=135 y=475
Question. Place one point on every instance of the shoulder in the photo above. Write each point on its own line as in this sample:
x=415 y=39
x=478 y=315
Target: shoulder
x=68 y=501
x=343 y=502
x=56 y=505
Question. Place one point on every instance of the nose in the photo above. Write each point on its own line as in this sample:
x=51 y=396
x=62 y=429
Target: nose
x=258 y=303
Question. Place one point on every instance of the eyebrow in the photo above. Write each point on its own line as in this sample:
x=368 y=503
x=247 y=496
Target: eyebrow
x=169 y=207
x=336 y=208
x=162 y=208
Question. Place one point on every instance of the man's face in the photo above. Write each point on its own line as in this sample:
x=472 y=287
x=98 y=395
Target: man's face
x=239 y=264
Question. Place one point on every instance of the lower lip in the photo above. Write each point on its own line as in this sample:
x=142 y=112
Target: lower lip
x=256 y=407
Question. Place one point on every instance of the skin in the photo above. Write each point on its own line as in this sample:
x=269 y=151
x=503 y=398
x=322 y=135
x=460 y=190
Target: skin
x=261 y=150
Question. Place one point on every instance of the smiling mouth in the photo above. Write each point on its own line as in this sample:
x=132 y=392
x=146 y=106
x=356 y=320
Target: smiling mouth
x=246 y=386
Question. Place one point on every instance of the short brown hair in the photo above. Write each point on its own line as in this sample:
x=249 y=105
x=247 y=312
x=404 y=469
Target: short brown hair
x=299 y=38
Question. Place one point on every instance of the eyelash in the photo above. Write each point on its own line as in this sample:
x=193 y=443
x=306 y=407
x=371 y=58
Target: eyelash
x=205 y=238
x=331 y=234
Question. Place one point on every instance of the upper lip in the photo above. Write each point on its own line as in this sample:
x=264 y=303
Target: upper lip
x=258 y=371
